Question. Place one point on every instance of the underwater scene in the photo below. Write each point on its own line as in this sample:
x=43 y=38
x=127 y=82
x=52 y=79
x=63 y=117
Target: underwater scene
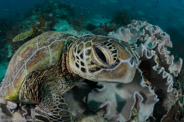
x=91 y=61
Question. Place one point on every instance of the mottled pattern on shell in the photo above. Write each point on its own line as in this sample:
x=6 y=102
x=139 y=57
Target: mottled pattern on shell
x=39 y=52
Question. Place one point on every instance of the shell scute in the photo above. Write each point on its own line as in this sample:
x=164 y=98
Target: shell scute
x=55 y=50
x=40 y=58
x=44 y=41
x=41 y=51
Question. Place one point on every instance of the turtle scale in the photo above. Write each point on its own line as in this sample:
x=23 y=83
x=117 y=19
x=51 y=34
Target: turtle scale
x=40 y=51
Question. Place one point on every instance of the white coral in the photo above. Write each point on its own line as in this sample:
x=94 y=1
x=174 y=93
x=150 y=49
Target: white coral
x=119 y=99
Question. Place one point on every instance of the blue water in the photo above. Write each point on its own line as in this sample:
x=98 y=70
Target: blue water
x=11 y=8
x=165 y=13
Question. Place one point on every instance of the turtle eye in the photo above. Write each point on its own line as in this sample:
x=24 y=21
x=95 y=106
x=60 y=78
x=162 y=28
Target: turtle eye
x=100 y=54
x=104 y=56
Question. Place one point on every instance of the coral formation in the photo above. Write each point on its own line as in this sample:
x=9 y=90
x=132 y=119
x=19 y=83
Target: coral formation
x=12 y=112
x=154 y=94
x=98 y=117
x=176 y=112
x=23 y=36
x=36 y=30
x=118 y=100
x=158 y=66
x=75 y=98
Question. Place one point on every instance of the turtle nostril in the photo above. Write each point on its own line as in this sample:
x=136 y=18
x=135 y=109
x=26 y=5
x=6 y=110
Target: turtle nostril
x=100 y=54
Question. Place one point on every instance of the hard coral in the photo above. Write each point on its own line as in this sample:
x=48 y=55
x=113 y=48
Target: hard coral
x=11 y=112
x=151 y=45
x=157 y=72
x=176 y=113
x=75 y=98
x=119 y=99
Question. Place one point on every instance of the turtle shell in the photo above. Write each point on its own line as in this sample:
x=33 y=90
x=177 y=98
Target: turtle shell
x=41 y=51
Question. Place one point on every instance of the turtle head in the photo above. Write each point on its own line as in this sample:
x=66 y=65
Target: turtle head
x=101 y=59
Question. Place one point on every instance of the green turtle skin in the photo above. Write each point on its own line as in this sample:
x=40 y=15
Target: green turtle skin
x=41 y=51
x=37 y=74
x=47 y=66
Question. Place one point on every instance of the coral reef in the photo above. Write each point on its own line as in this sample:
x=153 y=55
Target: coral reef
x=118 y=100
x=23 y=36
x=36 y=30
x=158 y=66
x=13 y=112
x=121 y=18
x=155 y=93
x=175 y=113
x=49 y=13
x=98 y=117
x=75 y=98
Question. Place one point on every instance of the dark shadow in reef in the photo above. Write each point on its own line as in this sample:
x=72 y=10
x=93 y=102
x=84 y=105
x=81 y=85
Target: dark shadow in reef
x=5 y=25
x=177 y=39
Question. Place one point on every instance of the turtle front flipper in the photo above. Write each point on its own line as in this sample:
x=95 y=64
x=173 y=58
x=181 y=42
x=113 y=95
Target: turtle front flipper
x=53 y=109
x=45 y=87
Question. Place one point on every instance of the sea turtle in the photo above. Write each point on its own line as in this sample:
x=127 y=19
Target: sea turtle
x=49 y=65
